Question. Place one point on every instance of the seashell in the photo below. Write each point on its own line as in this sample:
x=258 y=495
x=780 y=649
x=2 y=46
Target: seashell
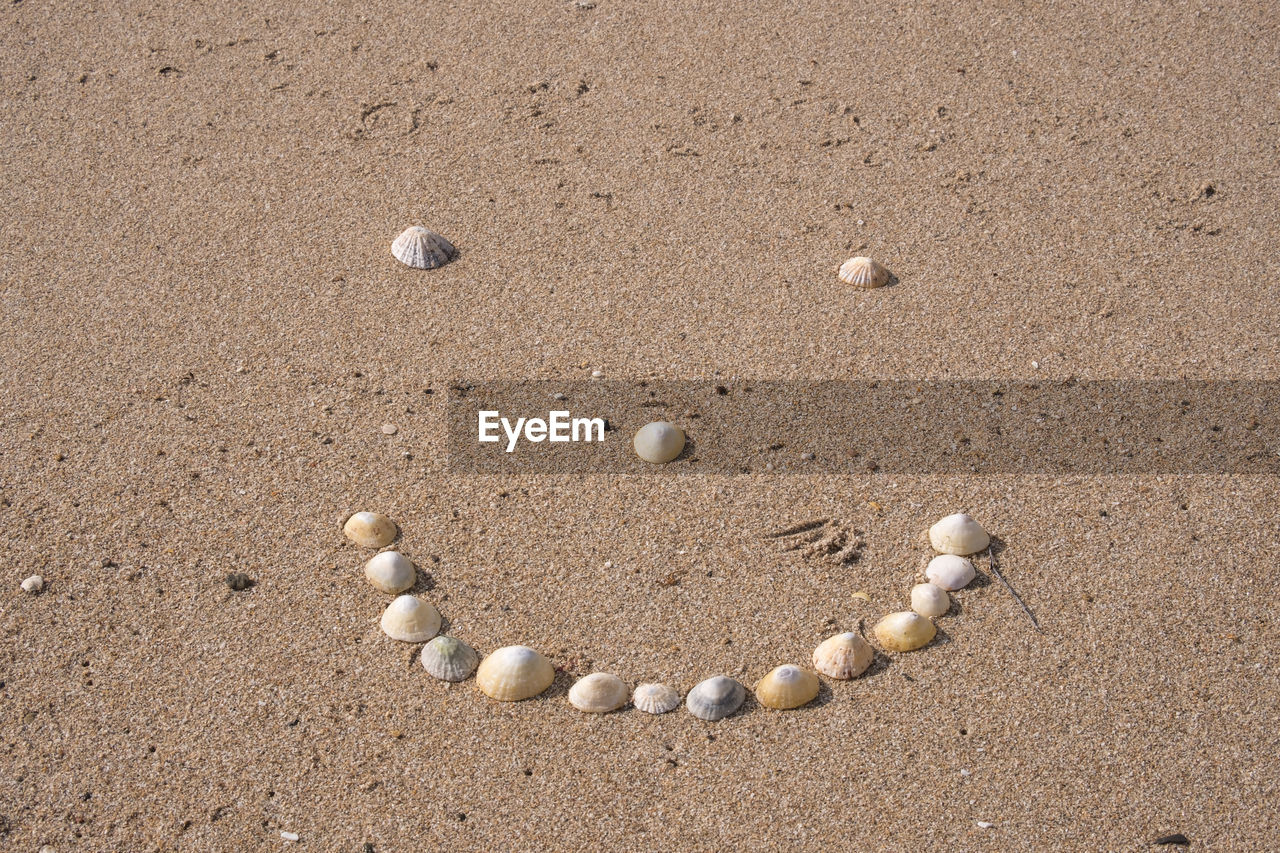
x=422 y=249
x=958 y=534
x=370 y=529
x=598 y=693
x=786 y=687
x=659 y=442
x=929 y=600
x=904 y=632
x=410 y=620
x=449 y=659
x=843 y=656
x=863 y=272
x=390 y=572
x=655 y=698
x=715 y=698
x=33 y=584
x=949 y=571
x=512 y=673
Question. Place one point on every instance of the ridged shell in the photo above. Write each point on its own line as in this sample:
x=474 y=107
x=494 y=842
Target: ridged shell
x=370 y=529
x=715 y=698
x=904 y=632
x=655 y=698
x=949 y=571
x=958 y=534
x=787 y=687
x=410 y=620
x=449 y=659
x=422 y=249
x=843 y=656
x=658 y=442
x=512 y=673
x=598 y=693
x=390 y=572
x=863 y=272
x=930 y=600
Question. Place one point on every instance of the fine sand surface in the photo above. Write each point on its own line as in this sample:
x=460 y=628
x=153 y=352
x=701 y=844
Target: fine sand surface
x=203 y=331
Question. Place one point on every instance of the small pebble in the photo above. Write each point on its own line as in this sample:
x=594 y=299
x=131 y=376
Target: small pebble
x=982 y=824
x=1176 y=838
x=33 y=584
x=289 y=836
x=596 y=374
x=239 y=581
x=388 y=429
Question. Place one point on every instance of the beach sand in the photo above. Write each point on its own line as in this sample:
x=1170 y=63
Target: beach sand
x=203 y=331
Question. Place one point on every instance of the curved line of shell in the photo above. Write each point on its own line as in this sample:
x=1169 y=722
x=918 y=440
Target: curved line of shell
x=513 y=673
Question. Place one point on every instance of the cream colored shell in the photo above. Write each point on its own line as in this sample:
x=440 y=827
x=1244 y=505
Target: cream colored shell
x=598 y=693
x=370 y=529
x=390 y=572
x=422 y=248
x=658 y=442
x=715 y=698
x=863 y=272
x=930 y=600
x=904 y=632
x=512 y=673
x=843 y=656
x=787 y=687
x=949 y=571
x=449 y=659
x=958 y=534
x=410 y=620
x=655 y=698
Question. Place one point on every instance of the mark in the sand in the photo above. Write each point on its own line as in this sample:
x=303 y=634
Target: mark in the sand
x=823 y=537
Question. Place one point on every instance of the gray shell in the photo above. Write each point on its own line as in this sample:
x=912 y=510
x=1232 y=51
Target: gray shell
x=715 y=698
x=449 y=659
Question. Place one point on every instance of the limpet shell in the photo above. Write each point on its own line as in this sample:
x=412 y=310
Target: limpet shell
x=658 y=442
x=958 y=534
x=787 y=687
x=905 y=631
x=390 y=572
x=863 y=272
x=949 y=571
x=598 y=693
x=449 y=659
x=843 y=656
x=655 y=698
x=715 y=698
x=512 y=673
x=930 y=600
x=410 y=620
x=370 y=529
x=422 y=248
x=33 y=584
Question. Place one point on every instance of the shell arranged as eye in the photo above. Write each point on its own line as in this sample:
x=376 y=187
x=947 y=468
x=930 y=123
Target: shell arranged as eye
x=422 y=248
x=655 y=698
x=949 y=571
x=787 y=687
x=449 y=659
x=370 y=529
x=410 y=620
x=863 y=272
x=958 y=534
x=905 y=631
x=598 y=693
x=715 y=698
x=843 y=656
x=390 y=572
x=512 y=673
x=930 y=600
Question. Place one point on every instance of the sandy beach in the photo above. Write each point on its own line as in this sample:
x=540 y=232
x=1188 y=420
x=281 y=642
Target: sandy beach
x=204 y=333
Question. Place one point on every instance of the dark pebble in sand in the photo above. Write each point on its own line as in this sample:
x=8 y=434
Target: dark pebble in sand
x=1176 y=838
x=239 y=581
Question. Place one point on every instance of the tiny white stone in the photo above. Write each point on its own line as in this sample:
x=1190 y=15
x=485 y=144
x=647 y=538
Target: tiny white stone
x=557 y=396
x=596 y=374
x=289 y=836
x=1036 y=365
x=33 y=584
x=982 y=824
x=388 y=429
x=965 y=773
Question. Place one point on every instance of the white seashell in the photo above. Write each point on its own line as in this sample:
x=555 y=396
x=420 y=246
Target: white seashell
x=958 y=534
x=904 y=632
x=787 y=687
x=33 y=584
x=843 y=656
x=370 y=529
x=422 y=249
x=930 y=600
x=949 y=571
x=658 y=442
x=512 y=673
x=598 y=693
x=715 y=698
x=410 y=620
x=655 y=698
x=449 y=659
x=390 y=572
x=863 y=272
